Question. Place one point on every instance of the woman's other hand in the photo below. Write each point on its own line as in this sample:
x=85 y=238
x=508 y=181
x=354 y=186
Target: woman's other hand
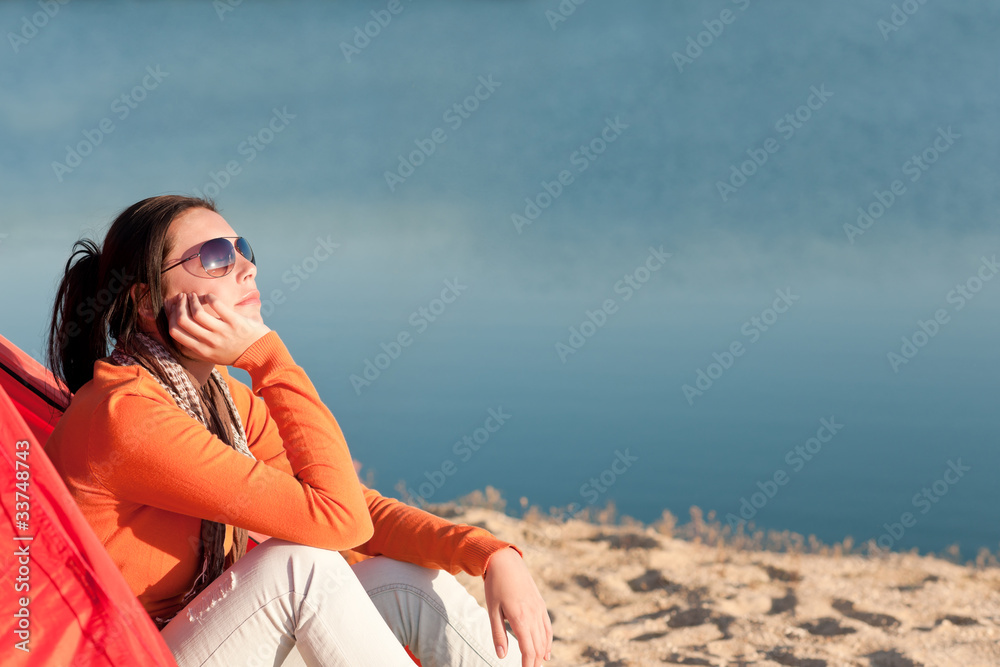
x=511 y=594
x=218 y=339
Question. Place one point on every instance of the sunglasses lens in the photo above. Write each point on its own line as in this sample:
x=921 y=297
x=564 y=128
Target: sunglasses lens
x=244 y=249
x=218 y=257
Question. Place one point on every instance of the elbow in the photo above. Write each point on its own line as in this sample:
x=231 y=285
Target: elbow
x=349 y=531
x=342 y=523
x=362 y=524
x=365 y=528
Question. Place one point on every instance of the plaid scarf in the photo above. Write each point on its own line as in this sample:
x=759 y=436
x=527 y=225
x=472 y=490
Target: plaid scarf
x=221 y=418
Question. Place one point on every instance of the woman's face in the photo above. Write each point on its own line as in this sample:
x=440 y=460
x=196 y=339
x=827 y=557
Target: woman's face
x=188 y=231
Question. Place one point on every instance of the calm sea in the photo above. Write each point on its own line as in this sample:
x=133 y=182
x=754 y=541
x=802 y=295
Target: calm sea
x=739 y=255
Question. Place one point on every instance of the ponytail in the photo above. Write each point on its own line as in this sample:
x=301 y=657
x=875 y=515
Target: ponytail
x=77 y=334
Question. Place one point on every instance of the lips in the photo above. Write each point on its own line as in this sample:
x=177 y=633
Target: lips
x=250 y=298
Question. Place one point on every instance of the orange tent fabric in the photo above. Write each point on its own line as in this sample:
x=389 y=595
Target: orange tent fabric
x=38 y=397
x=65 y=603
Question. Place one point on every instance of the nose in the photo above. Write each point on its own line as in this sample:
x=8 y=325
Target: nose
x=244 y=267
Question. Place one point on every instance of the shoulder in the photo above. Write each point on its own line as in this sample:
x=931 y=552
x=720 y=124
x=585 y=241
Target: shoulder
x=114 y=403
x=117 y=401
x=112 y=394
x=111 y=380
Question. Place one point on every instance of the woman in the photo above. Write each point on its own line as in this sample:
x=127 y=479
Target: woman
x=172 y=462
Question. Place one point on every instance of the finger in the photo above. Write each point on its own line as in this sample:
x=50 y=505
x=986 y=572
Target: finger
x=175 y=308
x=224 y=310
x=539 y=636
x=528 y=641
x=499 y=632
x=200 y=315
x=184 y=330
x=185 y=341
x=186 y=321
x=241 y=325
x=538 y=642
x=200 y=324
x=177 y=328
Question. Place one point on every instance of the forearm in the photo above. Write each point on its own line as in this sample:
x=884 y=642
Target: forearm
x=416 y=536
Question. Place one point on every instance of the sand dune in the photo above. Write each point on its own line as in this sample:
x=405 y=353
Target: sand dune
x=624 y=593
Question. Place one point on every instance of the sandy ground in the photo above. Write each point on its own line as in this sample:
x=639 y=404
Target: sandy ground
x=622 y=593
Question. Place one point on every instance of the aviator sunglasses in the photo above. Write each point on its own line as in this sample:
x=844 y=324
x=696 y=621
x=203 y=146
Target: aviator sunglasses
x=218 y=256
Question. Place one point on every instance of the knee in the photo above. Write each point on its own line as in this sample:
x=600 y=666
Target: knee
x=305 y=566
x=275 y=549
x=383 y=572
x=385 y=569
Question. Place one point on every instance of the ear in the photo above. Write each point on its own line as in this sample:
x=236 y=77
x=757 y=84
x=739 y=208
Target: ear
x=140 y=297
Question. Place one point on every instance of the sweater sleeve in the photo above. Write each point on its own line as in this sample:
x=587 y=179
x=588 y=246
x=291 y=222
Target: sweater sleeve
x=147 y=451
x=413 y=535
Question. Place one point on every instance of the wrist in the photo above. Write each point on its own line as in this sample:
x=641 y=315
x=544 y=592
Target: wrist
x=262 y=351
x=503 y=553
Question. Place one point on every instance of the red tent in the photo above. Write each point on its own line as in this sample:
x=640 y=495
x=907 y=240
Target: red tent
x=65 y=602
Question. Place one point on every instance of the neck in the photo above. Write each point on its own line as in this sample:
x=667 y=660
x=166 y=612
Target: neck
x=201 y=370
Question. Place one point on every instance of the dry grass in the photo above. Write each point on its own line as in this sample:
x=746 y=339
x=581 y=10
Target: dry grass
x=701 y=529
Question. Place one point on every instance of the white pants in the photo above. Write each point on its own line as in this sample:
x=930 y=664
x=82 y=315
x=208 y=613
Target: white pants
x=283 y=595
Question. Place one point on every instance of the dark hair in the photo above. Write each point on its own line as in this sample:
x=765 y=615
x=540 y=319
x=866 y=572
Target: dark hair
x=93 y=303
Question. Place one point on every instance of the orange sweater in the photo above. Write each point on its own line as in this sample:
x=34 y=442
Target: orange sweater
x=145 y=474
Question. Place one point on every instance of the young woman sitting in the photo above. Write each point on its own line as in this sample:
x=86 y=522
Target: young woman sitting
x=173 y=462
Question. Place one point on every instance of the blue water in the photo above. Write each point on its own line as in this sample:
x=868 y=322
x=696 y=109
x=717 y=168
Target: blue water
x=678 y=132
